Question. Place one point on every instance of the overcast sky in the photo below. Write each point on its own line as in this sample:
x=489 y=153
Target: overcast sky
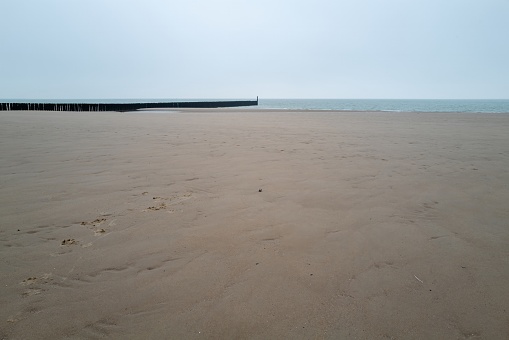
x=72 y=49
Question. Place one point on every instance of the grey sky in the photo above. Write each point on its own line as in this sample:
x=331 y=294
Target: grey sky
x=240 y=49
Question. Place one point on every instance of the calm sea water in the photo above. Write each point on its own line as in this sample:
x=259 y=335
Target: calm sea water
x=396 y=105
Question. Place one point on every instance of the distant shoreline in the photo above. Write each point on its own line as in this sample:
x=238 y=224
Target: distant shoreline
x=342 y=105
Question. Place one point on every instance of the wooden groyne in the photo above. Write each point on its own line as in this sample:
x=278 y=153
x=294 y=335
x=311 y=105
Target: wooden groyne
x=122 y=106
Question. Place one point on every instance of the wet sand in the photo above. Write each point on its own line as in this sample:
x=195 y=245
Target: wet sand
x=152 y=225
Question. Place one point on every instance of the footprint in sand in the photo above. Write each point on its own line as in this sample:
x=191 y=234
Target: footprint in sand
x=45 y=278
x=94 y=223
x=159 y=198
x=68 y=242
x=29 y=281
x=175 y=199
x=161 y=206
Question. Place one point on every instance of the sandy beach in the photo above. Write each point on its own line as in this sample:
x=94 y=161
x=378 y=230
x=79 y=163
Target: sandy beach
x=228 y=223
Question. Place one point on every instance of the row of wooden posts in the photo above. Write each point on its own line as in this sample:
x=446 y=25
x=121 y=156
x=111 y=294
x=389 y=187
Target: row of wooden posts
x=121 y=106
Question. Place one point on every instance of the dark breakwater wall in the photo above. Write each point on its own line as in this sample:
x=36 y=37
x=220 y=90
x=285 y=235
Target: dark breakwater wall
x=121 y=106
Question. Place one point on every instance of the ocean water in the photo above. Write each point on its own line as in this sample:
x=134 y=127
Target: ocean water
x=388 y=105
x=381 y=105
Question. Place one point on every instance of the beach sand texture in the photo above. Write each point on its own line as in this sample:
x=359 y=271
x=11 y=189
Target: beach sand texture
x=152 y=225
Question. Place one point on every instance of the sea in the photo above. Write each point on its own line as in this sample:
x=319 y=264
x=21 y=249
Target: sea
x=380 y=105
x=390 y=105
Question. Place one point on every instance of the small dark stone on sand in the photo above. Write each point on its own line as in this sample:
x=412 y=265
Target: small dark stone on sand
x=19 y=230
x=310 y=274
x=259 y=190
x=257 y=263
